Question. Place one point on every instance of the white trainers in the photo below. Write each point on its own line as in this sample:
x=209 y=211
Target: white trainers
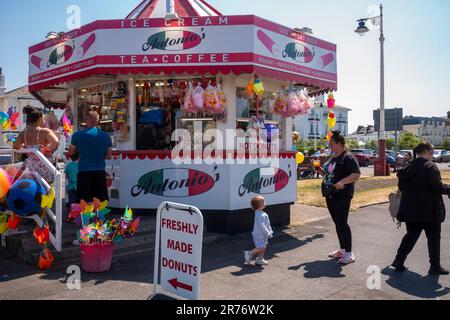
x=338 y=254
x=347 y=258
x=247 y=257
x=261 y=262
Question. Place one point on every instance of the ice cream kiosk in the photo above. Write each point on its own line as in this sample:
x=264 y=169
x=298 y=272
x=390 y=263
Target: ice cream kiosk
x=172 y=65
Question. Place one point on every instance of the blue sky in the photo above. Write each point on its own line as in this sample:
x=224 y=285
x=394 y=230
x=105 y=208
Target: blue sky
x=417 y=54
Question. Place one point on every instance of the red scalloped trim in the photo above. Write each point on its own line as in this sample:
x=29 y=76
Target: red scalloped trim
x=162 y=155
x=190 y=70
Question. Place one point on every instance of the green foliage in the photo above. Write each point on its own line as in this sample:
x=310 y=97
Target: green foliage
x=446 y=144
x=372 y=145
x=390 y=144
x=408 y=141
x=352 y=144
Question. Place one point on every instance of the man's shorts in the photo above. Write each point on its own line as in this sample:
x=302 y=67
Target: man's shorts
x=92 y=184
x=260 y=243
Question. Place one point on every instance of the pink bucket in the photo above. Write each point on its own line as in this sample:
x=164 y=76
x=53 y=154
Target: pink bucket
x=96 y=258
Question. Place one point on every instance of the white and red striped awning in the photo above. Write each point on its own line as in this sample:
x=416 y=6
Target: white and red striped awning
x=150 y=9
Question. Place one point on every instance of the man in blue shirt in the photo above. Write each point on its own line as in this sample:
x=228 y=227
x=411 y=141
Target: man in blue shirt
x=94 y=147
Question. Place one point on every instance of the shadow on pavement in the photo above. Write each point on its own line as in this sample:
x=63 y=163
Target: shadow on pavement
x=320 y=269
x=289 y=243
x=248 y=269
x=414 y=284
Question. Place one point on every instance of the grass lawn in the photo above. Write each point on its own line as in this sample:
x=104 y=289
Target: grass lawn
x=369 y=190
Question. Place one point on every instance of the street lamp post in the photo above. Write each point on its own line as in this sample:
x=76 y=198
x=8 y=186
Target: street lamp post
x=380 y=169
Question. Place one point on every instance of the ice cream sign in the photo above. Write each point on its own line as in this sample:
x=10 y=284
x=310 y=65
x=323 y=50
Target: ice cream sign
x=259 y=181
x=63 y=53
x=174 y=40
x=175 y=182
x=299 y=52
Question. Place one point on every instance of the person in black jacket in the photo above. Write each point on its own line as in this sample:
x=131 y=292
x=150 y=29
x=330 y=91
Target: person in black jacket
x=421 y=207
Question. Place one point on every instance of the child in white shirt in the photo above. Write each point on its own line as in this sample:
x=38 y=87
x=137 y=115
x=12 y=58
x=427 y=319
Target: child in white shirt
x=262 y=232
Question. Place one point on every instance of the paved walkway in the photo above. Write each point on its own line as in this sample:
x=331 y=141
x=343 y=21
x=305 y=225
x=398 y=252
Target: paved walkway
x=302 y=214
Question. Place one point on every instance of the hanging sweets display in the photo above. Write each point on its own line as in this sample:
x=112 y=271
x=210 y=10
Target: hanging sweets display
x=188 y=104
x=198 y=97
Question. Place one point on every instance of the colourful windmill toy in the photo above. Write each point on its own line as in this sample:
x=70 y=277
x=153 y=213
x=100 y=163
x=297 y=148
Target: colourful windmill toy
x=67 y=126
x=42 y=235
x=329 y=135
x=47 y=200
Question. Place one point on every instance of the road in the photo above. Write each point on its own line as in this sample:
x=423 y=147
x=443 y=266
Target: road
x=368 y=171
x=298 y=268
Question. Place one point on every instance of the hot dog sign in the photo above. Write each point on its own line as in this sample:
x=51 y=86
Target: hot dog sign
x=63 y=53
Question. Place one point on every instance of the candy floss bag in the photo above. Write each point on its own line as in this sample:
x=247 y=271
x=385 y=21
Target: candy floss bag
x=212 y=100
x=189 y=101
x=303 y=98
x=198 y=97
x=293 y=106
x=280 y=103
x=222 y=98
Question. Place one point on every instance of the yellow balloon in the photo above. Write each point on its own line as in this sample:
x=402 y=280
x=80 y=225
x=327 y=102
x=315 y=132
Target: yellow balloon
x=299 y=158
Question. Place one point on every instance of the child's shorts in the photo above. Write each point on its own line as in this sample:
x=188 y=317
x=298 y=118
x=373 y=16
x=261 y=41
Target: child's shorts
x=260 y=243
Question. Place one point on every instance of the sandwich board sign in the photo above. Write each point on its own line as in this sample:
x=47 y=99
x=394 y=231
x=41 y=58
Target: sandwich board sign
x=179 y=235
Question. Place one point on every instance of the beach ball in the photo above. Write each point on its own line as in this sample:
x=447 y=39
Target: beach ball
x=5 y=183
x=24 y=198
x=299 y=158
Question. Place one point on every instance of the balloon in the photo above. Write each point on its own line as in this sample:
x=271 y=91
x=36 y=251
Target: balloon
x=299 y=158
x=24 y=197
x=249 y=88
x=331 y=120
x=331 y=123
x=5 y=183
x=258 y=87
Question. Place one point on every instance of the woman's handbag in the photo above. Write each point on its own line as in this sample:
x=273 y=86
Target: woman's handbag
x=394 y=206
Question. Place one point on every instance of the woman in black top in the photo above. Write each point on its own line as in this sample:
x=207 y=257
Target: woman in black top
x=422 y=207
x=340 y=173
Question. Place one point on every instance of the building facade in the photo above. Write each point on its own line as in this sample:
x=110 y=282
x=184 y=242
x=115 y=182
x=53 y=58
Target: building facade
x=314 y=124
x=430 y=129
x=17 y=99
x=365 y=135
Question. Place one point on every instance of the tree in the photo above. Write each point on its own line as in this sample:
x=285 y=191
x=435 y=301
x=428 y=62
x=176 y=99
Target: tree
x=352 y=143
x=446 y=144
x=390 y=144
x=408 y=141
x=373 y=145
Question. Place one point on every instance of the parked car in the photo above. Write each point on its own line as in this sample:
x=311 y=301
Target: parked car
x=365 y=156
x=441 y=156
x=438 y=155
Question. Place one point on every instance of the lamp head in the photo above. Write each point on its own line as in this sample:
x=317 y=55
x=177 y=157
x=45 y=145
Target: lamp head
x=362 y=28
x=51 y=35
